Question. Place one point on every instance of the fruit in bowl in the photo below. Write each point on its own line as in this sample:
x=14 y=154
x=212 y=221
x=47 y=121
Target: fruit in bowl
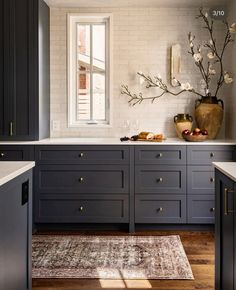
x=197 y=135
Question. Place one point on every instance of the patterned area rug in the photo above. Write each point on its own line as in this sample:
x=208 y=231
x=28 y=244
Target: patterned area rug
x=110 y=257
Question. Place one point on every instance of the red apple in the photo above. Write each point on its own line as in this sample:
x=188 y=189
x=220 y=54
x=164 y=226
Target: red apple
x=204 y=132
x=186 y=132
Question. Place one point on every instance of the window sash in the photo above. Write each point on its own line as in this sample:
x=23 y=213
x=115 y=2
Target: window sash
x=74 y=70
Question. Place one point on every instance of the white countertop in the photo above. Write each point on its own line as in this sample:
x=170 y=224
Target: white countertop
x=12 y=169
x=115 y=141
x=228 y=168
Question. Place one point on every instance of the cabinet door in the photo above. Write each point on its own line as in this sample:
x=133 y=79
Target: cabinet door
x=14 y=241
x=16 y=98
x=224 y=232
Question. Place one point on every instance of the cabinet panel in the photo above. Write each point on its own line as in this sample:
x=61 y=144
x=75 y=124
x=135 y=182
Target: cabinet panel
x=16 y=153
x=201 y=209
x=83 y=209
x=108 y=179
x=160 y=179
x=160 y=209
x=15 y=234
x=82 y=154
x=160 y=154
x=200 y=180
x=205 y=155
x=224 y=232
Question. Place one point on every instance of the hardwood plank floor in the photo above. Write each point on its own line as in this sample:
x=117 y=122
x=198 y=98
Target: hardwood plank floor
x=199 y=247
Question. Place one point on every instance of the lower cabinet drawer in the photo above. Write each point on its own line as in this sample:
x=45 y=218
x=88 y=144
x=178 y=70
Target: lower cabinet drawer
x=200 y=180
x=82 y=209
x=160 y=209
x=201 y=209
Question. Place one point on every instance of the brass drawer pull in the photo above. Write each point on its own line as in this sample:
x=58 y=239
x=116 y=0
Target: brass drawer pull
x=81 y=179
x=81 y=208
x=212 y=154
x=212 y=179
x=160 y=209
x=81 y=154
x=2 y=154
x=212 y=209
x=159 y=155
x=226 y=210
x=159 y=179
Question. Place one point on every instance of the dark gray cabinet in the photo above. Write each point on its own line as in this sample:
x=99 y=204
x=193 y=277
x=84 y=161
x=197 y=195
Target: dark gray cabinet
x=16 y=153
x=24 y=70
x=225 y=233
x=201 y=180
x=15 y=233
x=83 y=184
x=160 y=184
x=160 y=209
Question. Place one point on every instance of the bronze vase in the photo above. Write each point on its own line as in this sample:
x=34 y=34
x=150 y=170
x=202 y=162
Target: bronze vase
x=209 y=112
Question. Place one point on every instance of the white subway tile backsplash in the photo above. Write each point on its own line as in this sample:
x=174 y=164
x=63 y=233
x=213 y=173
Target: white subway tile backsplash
x=141 y=42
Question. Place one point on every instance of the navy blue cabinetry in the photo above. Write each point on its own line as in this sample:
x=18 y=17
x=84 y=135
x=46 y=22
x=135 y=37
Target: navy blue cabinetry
x=82 y=184
x=201 y=180
x=15 y=233
x=225 y=230
x=160 y=184
x=24 y=70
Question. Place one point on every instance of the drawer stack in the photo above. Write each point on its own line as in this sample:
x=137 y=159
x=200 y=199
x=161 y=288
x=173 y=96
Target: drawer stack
x=82 y=184
x=201 y=181
x=160 y=184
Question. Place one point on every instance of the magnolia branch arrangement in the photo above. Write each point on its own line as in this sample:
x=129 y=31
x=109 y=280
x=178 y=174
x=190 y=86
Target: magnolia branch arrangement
x=207 y=65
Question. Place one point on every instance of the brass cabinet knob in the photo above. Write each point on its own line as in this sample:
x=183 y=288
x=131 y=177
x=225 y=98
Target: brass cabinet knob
x=81 y=179
x=212 y=209
x=2 y=154
x=159 y=179
x=212 y=154
x=159 y=155
x=160 y=209
x=212 y=179
x=81 y=208
x=81 y=154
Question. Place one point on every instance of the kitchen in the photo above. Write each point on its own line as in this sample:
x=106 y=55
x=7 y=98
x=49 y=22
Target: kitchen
x=94 y=97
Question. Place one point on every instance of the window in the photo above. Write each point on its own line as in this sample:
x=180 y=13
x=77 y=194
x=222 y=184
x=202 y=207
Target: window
x=89 y=80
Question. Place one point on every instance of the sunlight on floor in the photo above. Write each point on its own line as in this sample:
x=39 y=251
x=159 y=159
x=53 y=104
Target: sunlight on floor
x=129 y=284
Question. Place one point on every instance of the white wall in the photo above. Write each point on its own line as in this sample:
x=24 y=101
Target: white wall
x=142 y=40
x=231 y=120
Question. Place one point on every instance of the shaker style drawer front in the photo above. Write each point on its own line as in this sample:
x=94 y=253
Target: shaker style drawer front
x=84 y=209
x=82 y=179
x=16 y=153
x=82 y=154
x=205 y=155
x=160 y=179
x=200 y=180
x=160 y=209
x=201 y=209
x=160 y=154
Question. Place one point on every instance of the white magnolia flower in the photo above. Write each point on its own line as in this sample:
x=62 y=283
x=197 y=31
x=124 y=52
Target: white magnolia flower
x=159 y=76
x=211 y=55
x=197 y=57
x=212 y=71
x=191 y=38
x=141 y=80
x=232 y=28
x=227 y=78
x=186 y=87
x=211 y=42
x=206 y=14
x=191 y=44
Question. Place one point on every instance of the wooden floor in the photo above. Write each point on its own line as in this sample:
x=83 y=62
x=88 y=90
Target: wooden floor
x=199 y=247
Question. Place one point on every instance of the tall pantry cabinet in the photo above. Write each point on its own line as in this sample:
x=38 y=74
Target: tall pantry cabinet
x=24 y=70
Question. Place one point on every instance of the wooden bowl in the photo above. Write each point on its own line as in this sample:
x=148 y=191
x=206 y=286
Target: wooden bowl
x=195 y=138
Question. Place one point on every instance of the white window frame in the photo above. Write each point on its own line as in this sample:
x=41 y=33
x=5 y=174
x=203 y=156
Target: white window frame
x=72 y=20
